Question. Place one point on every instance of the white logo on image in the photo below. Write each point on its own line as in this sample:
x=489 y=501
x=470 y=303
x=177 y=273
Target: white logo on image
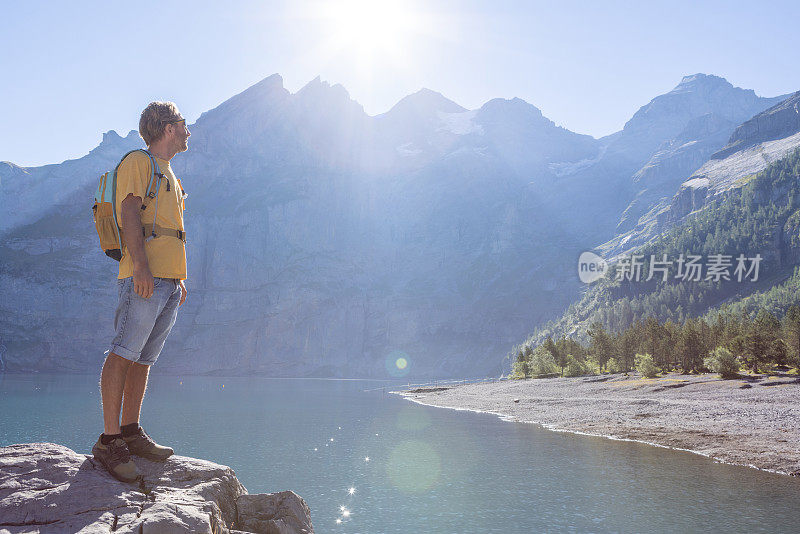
x=591 y=267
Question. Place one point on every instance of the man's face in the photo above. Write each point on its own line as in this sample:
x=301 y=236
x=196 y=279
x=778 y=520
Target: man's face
x=179 y=134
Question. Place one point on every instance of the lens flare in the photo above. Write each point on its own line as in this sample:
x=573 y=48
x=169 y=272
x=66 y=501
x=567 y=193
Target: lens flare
x=414 y=466
x=397 y=364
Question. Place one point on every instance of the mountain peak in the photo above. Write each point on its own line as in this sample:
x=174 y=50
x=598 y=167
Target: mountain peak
x=110 y=136
x=516 y=103
x=429 y=95
x=702 y=77
x=263 y=88
x=318 y=86
x=424 y=102
x=512 y=110
x=256 y=96
x=273 y=80
x=319 y=94
x=316 y=82
x=701 y=81
x=113 y=142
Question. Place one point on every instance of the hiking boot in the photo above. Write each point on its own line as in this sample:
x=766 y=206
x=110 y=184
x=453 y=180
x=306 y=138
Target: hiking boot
x=143 y=445
x=116 y=458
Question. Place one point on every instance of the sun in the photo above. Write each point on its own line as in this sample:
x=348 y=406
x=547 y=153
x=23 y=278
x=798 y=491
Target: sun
x=370 y=30
x=371 y=24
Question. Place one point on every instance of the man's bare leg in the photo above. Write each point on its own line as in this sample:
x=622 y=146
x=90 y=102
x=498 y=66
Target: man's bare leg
x=112 y=384
x=139 y=443
x=135 y=385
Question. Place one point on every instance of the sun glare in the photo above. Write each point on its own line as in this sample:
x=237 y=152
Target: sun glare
x=371 y=24
x=371 y=29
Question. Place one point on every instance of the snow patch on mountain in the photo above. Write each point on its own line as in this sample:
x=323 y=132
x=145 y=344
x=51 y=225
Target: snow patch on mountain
x=460 y=123
x=568 y=168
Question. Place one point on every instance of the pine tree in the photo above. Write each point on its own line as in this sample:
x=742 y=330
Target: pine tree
x=600 y=346
x=690 y=347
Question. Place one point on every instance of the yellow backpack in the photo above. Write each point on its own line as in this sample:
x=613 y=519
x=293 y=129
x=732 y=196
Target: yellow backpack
x=104 y=209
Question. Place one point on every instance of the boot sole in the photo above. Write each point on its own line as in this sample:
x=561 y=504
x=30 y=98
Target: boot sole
x=113 y=474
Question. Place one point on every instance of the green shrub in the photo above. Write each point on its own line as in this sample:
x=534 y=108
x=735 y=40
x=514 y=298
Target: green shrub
x=543 y=363
x=613 y=366
x=575 y=367
x=519 y=369
x=722 y=361
x=645 y=366
x=592 y=366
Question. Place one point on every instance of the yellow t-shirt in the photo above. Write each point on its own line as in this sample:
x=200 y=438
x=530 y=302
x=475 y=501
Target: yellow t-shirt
x=166 y=255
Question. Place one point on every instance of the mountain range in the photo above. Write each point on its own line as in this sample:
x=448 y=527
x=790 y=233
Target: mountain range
x=326 y=242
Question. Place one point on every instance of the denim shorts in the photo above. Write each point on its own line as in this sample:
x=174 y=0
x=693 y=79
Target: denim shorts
x=142 y=325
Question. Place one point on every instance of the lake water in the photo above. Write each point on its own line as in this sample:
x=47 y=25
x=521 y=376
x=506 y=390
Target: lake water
x=430 y=470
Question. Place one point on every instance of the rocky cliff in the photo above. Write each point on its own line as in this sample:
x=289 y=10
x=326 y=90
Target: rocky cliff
x=47 y=488
x=779 y=121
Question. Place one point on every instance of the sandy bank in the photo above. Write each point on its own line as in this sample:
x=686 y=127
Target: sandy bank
x=748 y=421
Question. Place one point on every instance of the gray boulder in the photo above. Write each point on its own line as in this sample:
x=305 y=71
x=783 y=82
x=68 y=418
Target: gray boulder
x=274 y=513
x=48 y=488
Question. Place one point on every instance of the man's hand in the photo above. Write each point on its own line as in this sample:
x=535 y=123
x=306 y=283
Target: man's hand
x=183 y=294
x=143 y=282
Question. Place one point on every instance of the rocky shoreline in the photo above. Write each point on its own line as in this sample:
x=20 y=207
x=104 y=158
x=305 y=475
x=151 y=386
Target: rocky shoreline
x=752 y=421
x=48 y=488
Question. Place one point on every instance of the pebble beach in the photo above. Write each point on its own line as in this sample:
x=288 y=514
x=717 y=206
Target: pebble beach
x=752 y=420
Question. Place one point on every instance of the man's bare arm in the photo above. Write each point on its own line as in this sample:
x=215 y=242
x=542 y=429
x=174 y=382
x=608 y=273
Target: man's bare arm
x=134 y=240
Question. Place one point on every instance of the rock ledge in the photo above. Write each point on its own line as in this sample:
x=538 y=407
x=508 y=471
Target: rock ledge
x=49 y=488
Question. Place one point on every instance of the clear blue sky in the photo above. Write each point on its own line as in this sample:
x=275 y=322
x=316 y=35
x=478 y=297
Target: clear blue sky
x=73 y=70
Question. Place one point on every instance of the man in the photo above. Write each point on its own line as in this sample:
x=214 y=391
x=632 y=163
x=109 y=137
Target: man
x=151 y=288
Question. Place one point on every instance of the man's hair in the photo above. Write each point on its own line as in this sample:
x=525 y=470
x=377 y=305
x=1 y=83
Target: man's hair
x=154 y=120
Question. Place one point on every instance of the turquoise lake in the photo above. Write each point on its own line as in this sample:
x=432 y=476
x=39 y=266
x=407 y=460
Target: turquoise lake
x=430 y=470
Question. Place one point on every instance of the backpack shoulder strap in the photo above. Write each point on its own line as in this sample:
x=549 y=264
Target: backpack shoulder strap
x=154 y=174
x=113 y=177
